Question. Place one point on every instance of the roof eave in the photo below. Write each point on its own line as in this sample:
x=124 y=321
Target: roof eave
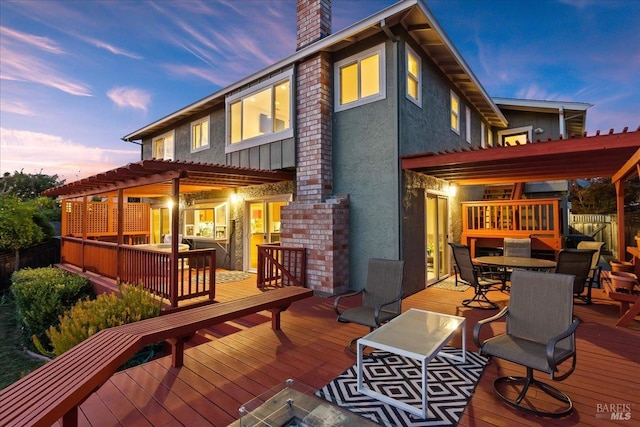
x=325 y=44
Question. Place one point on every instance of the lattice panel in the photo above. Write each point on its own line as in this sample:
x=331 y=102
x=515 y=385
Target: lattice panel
x=136 y=217
x=97 y=218
x=73 y=218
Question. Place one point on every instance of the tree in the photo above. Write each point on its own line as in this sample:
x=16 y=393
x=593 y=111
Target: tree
x=21 y=225
x=598 y=196
x=27 y=186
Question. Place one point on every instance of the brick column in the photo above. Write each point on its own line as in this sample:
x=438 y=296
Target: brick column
x=313 y=21
x=317 y=220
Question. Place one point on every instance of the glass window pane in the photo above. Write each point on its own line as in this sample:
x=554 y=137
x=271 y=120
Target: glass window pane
x=349 y=84
x=196 y=135
x=256 y=114
x=236 y=121
x=370 y=76
x=454 y=104
x=412 y=87
x=454 y=121
x=283 y=108
x=516 y=139
x=412 y=65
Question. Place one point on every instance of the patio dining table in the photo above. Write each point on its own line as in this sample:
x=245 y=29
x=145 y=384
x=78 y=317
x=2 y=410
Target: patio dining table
x=526 y=263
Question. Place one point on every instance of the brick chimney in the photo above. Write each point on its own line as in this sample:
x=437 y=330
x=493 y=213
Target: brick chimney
x=313 y=21
x=317 y=220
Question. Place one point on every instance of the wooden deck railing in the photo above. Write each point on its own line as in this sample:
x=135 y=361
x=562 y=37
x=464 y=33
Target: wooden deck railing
x=281 y=266
x=488 y=222
x=151 y=268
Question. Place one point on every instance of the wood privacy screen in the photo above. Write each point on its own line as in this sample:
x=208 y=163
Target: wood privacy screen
x=102 y=219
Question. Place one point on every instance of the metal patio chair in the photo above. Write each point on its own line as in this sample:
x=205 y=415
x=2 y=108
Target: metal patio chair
x=578 y=263
x=381 y=296
x=596 y=271
x=540 y=334
x=472 y=275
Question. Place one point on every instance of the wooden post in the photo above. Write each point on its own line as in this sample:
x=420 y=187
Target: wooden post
x=85 y=218
x=175 y=232
x=70 y=419
x=620 y=210
x=120 y=226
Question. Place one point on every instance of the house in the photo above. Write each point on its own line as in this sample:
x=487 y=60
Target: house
x=340 y=120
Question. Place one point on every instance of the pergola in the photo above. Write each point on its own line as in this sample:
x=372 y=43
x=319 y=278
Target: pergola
x=615 y=156
x=149 y=178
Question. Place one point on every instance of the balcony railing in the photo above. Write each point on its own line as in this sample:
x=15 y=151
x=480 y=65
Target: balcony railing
x=281 y=266
x=488 y=222
x=152 y=268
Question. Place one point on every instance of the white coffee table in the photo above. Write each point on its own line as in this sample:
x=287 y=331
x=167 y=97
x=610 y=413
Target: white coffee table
x=416 y=334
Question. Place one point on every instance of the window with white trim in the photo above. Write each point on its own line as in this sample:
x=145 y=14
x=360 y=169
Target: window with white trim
x=200 y=135
x=414 y=77
x=360 y=79
x=467 y=124
x=515 y=136
x=261 y=114
x=163 y=146
x=455 y=113
x=483 y=135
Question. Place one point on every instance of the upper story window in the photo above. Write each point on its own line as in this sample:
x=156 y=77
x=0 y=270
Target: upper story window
x=200 y=135
x=360 y=79
x=455 y=113
x=163 y=147
x=414 y=77
x=467 y=124
x=515 y=136
x=260 y=114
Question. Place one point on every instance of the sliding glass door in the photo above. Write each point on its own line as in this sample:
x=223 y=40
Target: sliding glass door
x=436 y=234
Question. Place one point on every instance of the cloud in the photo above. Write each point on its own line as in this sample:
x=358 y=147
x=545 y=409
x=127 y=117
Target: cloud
x=202 y=73
x=130 y=97
x=15 y=107
x=36 y=152
x=109 y=47
x=42 y=43
x=19 y=62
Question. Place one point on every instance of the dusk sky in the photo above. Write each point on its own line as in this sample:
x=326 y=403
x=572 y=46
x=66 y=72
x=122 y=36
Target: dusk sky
x=76 y=76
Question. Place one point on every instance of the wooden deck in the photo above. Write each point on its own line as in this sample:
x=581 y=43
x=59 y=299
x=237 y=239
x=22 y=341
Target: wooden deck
x=230 y=364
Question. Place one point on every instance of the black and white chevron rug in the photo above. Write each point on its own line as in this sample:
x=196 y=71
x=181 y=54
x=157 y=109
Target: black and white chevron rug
x=450 y=386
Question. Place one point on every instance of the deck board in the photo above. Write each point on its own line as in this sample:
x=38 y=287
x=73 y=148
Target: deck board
x=229 y=364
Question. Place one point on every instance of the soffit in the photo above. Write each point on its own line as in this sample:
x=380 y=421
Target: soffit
x=585 y=157
x=154 y=178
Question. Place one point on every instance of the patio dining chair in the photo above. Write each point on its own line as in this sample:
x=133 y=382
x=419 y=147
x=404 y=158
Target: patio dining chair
x=596 y=271
x=578 y=263
x=472 y=275
x=381 y=297
x=540 y=335
x=517 y=247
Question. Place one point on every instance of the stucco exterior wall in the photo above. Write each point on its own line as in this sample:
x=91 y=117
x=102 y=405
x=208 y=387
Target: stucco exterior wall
x=365 y=166
x=428 y=128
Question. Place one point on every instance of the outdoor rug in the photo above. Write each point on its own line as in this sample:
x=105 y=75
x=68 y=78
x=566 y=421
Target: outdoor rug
x=450 y=284
x=450 y=386
x=231 y=276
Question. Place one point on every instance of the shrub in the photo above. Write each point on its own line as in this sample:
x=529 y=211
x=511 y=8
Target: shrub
x=91 y=316
x=42 y=295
